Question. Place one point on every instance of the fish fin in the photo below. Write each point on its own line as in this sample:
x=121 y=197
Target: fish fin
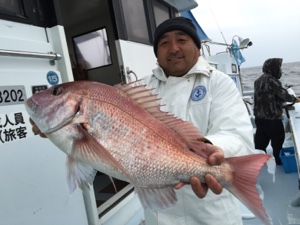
x=89 y=147
x=150 y=102
x=243 y=186
x=189 y=133
x=79 y=174
x=157 y=198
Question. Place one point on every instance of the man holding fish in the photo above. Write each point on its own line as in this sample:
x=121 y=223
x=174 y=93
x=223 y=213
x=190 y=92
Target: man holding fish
x=193 y=91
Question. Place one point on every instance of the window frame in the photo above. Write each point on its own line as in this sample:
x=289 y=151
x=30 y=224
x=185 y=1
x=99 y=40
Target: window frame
x=120 y=20
x=36 y=12
x=86 y=33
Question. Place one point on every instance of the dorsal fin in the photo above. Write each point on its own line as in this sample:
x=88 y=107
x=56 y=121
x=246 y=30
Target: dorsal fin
x=150 y=102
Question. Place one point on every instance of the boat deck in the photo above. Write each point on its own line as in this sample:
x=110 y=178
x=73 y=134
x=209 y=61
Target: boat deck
x=281 y=196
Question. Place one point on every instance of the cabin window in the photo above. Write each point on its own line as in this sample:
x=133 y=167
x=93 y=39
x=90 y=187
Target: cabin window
x=161 y=12
x=35 y=12
x=92 y=49
x=12 y=7
x=135 y=19
x=141 y=19
x=233 y=68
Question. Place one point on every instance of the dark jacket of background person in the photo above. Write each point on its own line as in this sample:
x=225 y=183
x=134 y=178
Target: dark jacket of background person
x=269 y=95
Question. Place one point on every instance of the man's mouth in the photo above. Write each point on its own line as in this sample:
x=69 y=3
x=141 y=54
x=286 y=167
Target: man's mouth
x=174 y=59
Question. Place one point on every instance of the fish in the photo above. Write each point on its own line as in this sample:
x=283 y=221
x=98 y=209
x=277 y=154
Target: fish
x=121 y=131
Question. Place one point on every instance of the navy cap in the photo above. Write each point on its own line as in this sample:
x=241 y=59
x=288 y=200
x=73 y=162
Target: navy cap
x=177 y=23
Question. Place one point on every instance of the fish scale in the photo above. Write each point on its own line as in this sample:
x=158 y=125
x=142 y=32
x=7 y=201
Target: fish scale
x=122 y=132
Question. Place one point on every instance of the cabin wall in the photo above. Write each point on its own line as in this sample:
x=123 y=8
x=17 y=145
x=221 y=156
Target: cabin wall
x=85 y=22
x=33 y=173
x=116 y=18
x=227 y=64
x=142 y=65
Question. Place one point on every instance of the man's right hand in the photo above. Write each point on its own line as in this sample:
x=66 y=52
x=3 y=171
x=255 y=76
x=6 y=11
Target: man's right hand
x=36 y=130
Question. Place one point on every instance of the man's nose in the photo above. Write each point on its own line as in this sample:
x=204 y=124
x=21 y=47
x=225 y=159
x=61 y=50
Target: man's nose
x=174 y=47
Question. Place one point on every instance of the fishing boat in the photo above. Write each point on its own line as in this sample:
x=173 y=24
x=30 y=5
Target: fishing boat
x=44 y=43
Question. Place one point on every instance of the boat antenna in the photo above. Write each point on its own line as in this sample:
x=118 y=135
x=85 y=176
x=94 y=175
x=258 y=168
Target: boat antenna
x=217 y=24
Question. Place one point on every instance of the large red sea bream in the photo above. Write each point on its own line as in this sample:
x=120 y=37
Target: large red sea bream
x=120 y=130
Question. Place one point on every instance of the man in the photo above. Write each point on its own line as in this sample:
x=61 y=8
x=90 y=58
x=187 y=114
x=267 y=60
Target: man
x=269 y=96
x=194 y=91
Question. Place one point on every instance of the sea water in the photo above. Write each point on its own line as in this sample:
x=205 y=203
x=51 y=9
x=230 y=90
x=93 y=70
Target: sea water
x=290 y=76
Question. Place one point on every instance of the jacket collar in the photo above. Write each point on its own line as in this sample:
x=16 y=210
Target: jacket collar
x=201 y=67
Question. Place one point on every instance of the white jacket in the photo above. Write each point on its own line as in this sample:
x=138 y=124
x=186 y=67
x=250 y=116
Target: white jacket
x=210 y=100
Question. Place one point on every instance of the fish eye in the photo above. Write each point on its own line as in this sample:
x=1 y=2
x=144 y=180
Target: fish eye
x=57 y=91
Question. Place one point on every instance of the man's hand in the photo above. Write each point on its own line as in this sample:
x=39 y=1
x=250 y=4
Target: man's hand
x=35 y=129
x=216 y=157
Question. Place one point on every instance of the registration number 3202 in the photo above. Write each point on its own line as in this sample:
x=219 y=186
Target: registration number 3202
x=12 y=95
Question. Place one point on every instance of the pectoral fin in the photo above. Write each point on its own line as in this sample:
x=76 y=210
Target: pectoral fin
x=87 y=148
x=79 y=174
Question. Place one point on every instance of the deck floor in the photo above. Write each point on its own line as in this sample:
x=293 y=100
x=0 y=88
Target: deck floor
x=280 y=192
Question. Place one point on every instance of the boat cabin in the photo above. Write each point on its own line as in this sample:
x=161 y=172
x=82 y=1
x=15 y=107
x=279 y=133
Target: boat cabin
x=44 y=43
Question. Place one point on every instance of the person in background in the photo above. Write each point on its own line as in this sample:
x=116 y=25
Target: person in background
x=196 y=92
x=269 y=96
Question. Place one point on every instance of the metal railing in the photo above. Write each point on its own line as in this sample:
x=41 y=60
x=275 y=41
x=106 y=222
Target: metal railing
x=50 y=55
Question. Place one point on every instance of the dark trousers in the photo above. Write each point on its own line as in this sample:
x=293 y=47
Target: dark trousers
x=269 y=130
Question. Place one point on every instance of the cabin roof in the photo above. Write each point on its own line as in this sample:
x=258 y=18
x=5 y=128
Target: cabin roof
x=203 y=37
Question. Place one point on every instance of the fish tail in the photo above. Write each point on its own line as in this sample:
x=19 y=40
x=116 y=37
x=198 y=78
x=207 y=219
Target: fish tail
x=243 y=185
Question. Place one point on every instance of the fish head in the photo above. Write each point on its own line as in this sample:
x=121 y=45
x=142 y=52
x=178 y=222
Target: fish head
x=55 y=107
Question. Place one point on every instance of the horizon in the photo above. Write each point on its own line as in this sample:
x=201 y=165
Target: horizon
x=242 y=67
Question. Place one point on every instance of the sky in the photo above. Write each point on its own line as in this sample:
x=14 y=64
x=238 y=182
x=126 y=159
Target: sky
x=273 y=26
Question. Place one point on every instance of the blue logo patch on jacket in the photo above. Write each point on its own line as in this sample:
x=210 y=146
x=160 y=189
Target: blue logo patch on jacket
x=198 y=93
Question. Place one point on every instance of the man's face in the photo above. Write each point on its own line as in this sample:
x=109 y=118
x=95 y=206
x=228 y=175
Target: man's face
x=177 y=53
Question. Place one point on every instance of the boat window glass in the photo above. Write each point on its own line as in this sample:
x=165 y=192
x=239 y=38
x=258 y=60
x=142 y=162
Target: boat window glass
x=92 y=49
x=12 y=7
x=161 y=12
x=142 y=17
x=135 y=20
x=34 y=12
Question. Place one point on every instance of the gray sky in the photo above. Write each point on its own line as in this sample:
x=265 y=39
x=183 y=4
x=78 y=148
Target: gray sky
x=272 y=25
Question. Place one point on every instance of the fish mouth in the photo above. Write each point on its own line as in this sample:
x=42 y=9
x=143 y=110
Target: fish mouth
x=30 y=106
